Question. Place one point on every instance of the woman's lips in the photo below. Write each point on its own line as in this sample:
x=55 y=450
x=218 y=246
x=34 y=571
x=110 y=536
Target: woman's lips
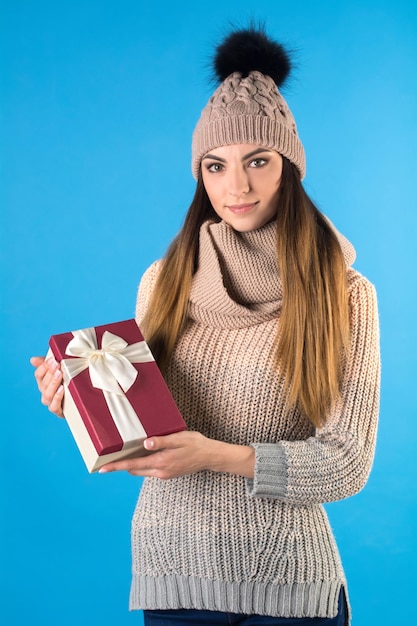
x=241 y=208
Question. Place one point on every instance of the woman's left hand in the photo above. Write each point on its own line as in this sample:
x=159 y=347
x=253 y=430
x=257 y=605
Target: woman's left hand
x=185 y=453
x=172 y=456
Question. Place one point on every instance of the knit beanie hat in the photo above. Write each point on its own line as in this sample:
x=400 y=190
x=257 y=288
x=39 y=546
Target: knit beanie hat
x=247 y=106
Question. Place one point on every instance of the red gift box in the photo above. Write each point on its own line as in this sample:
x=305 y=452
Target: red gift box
x=114 y=393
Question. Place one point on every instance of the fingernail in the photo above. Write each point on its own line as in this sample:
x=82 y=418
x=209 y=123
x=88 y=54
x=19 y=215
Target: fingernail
x=53 y=363
x=148 y=444
x=60 y=389
x=102 y=470
x=57 y=374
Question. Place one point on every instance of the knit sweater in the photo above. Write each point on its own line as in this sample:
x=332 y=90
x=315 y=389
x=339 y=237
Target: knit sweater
x=222 y=542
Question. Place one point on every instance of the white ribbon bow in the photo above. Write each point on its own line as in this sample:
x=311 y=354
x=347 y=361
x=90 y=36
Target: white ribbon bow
x=111 y=366
x=111 y=370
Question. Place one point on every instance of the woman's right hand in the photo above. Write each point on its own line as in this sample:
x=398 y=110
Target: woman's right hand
x=48 y=375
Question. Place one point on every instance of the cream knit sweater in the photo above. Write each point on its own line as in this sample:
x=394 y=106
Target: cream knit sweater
x=221 y=542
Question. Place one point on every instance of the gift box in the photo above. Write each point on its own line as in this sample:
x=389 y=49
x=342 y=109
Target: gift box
x=114 y=393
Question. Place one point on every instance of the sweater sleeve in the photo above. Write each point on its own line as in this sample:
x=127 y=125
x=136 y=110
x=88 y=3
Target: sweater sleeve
x=146 y=286
x=335 y=463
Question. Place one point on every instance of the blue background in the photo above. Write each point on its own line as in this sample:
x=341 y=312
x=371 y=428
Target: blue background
x=98 y=103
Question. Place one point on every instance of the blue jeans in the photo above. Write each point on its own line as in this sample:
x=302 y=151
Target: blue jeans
x=208 y=618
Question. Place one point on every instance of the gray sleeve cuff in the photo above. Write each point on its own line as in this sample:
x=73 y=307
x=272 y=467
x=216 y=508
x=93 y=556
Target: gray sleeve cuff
x=271 y=472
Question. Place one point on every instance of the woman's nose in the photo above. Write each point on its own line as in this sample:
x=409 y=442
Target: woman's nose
x=238 y=182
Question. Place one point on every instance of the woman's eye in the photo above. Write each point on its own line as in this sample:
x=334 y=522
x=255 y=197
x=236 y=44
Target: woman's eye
x=215 y=167
x=257 y=162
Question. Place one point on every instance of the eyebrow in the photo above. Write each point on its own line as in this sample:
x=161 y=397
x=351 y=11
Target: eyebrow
x=246 y=156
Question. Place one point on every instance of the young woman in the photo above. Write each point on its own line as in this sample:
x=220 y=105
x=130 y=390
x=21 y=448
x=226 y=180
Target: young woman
x=268 y=340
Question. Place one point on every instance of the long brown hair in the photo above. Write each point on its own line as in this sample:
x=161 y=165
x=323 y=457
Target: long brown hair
x=313 y=330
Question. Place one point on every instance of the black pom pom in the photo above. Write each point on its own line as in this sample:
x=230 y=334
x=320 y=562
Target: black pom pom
x=248 y=50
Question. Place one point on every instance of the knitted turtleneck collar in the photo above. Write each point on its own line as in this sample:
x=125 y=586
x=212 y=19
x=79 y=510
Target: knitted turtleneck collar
x=237 y=283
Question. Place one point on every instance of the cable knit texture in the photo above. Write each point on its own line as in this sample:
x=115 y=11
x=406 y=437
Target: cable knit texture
x=222 y=542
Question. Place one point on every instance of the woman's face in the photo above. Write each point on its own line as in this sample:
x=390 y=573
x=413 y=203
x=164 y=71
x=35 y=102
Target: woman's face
x=242 y=182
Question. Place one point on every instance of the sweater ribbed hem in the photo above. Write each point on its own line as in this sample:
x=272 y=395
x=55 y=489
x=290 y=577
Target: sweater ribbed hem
x=317 y=599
